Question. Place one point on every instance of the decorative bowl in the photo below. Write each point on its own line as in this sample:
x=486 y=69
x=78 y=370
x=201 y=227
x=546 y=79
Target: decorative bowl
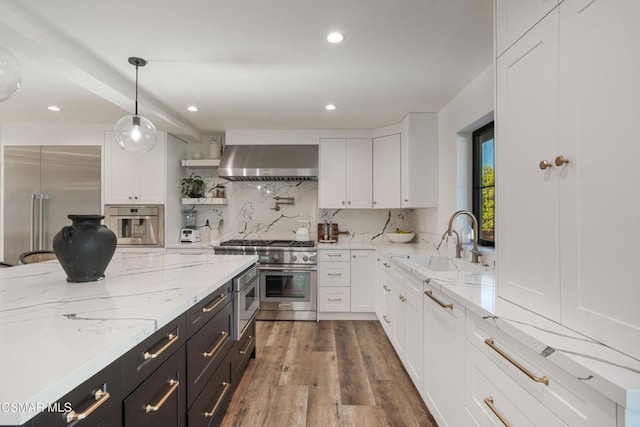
x=400 y=237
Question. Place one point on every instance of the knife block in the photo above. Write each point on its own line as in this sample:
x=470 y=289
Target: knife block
x=334 y=232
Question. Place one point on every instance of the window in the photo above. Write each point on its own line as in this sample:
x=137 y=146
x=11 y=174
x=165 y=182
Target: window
x=484 y=184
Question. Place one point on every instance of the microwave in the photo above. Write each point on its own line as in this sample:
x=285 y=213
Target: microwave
x=136 y=225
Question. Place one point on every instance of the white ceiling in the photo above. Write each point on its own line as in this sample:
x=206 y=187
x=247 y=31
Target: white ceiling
x=246 y=64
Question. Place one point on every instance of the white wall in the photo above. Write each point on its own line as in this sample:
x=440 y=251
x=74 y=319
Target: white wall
x=468 y=110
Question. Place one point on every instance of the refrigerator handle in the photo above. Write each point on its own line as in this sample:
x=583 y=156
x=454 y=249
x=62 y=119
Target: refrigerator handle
x=32 y=224
x=41 y=247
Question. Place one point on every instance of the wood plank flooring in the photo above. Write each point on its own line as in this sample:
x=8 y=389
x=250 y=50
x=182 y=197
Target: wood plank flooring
x=327 y=373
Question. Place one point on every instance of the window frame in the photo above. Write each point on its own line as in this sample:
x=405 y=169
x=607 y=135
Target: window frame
x=476 y=173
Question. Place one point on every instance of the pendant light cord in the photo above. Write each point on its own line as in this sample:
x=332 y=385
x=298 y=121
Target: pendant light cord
x=136 y=89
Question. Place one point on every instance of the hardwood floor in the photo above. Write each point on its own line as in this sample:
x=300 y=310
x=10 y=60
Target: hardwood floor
x=327 y=373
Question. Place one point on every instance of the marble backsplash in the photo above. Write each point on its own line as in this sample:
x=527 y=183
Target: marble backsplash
x=251 y=213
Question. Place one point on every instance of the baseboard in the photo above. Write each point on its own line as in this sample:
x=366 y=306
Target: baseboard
x=331 y=315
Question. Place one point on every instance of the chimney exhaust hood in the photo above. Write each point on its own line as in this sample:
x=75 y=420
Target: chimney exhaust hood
x=269 y=163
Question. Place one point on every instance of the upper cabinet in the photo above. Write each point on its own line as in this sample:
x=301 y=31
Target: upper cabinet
x=134 y=178
x=419 y=160
x=386 y=171
x=567 y=109
x=345 y=169
x=516 y=17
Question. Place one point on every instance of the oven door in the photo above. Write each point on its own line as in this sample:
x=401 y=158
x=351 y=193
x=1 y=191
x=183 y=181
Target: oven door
x=247 y=304
x=287 y=291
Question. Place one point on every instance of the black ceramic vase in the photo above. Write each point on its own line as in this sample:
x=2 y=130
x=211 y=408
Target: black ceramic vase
x=84 y=248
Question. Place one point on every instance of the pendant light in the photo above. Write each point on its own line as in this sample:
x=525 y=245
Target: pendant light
x=10 y=74
x=134 y=132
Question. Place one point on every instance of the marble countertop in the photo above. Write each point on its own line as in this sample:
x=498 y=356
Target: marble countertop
x=608 y=371
x=56 y=334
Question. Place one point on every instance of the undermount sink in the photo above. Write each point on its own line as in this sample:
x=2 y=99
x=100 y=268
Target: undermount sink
x=435 y=262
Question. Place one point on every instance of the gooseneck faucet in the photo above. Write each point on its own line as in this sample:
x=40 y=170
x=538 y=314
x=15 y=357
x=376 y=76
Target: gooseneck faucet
x=475 y=253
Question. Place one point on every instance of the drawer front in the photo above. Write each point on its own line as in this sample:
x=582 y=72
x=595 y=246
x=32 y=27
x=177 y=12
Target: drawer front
x=145 y=358
x=573 y=402
x=242 y=352
x=102 y=392
x=201 y=313
x=334 y=274
x=334 y=255
x=206 y=349
x=491 y=394
x=160 y=400
x=337 y=299
x=210 y=406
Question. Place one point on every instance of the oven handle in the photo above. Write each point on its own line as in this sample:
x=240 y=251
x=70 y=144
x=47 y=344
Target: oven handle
x=288 y=269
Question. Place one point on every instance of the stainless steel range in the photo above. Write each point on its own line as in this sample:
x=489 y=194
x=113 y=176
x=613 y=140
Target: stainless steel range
x=288 y=276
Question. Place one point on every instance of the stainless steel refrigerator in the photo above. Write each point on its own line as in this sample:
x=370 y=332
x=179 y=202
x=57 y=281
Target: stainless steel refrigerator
x=42 y=185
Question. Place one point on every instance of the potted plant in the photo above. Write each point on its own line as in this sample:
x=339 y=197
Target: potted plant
x=193 y=186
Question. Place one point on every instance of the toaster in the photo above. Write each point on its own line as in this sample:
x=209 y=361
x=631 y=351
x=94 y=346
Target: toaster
x=189 y=235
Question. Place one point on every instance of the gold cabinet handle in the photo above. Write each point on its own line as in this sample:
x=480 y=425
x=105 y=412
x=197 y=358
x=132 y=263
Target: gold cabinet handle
x=225 y=389
x=560 y=160
x=172 y=338
x=386 y=264
x=440 y=303
x=153 y=408
x=99 y=396
x=334 y=274
x=217 y=345
x=544 y=380
x=334 y=299
x=213 y=306
x=247 y=347
x=386 y=319
x=386 y=288
x=489 y=402
x=402 y=298
x=544 y=165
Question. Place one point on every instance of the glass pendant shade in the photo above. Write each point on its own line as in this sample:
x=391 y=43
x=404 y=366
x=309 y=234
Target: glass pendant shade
x=10 y=74
x=136 y=133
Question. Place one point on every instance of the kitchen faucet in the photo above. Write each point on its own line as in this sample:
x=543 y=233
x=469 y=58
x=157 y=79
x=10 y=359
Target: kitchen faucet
x=458 y=245
x=475 y=253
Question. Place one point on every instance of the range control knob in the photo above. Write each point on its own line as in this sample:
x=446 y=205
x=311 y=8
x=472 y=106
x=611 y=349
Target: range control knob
x=312 y=258
x=275 y=257
x=305 y=258
x=294 y=258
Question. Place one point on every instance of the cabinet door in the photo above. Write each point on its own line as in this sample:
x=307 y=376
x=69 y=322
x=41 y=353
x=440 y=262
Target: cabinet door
x=444 y=337
x=600 y=104
x=419 y=160
x=335 y=299
x=383 y=290
x=363 y=277
x=332 y=174
x=526 y=196
x=359 y=173
x=334 y=274
x=386 y=172
x=151 y=174
x=119 y=172
x=515 y=17
x=399 y=319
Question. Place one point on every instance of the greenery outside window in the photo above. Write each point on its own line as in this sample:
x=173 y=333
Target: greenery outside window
x=484 y=183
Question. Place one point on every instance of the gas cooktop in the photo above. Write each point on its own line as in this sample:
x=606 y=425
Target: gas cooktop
x=269 y=243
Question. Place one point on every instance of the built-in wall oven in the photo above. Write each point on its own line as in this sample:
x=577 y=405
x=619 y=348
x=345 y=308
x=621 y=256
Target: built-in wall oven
x=288 y=276
x=136 y=225
x=246 y=300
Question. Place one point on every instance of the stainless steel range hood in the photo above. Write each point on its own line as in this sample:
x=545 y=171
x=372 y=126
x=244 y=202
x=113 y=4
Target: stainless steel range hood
x=269 y=163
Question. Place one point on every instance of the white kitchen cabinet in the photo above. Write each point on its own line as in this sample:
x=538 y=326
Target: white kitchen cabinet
x=134 y=178
x=444 y=363
x=363 y=277
x=386 y=172
x=599 y=110
x=345 y=173
x=513 y=18
x=334 y=299
x=567 y=91
x=383 y=293
x=419 y=160
x=526 y=196
x=334 y=273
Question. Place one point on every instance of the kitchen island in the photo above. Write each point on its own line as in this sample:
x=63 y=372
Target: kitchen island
x=56 y=334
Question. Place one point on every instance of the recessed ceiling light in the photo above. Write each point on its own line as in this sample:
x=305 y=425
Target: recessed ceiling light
x=53 y=108
x=192 y=108
x=330 y=107
x=335 y=37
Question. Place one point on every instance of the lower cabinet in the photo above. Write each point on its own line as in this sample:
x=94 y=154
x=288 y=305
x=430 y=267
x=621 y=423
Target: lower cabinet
x=210 y=406
x=243 y=350
x=161 y=400
x=346 y=280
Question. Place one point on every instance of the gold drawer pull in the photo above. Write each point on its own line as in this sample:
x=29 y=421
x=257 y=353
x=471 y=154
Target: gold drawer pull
x=153 y=408
x=386 y=319
x=335 y=255
x=544 y=164
x=334 y=299
x=225 y=389
x=560 y=160
x=213 y=306
x=440 y=303
x=217 y=345
x=247 y=347
x=402 y=298
x=334 y=274
x=386 y=264
x=100 y=397
x=386 y=288
x=489 y=402
x=544 y=380
x=172 y=338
